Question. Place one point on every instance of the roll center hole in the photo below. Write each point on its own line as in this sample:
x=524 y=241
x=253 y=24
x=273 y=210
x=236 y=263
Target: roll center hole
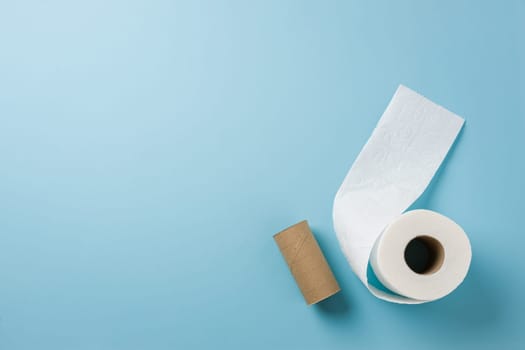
x=424 y=255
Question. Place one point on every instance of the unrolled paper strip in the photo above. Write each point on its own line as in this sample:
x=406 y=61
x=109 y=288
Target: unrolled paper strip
x=393 y=169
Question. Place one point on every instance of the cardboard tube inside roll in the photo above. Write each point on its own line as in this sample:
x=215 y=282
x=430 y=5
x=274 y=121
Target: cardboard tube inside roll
x=307 y=262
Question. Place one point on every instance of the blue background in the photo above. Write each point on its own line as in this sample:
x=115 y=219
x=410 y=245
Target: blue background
x=150 y=149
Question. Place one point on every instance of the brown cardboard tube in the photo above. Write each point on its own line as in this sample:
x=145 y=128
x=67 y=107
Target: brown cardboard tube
x=307 y=262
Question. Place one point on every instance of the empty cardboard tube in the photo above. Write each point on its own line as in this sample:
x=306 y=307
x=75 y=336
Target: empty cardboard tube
x=307 y=263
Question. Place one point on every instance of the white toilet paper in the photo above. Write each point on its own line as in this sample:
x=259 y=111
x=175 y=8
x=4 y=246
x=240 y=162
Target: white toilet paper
x=393 y=169
x=447 y=248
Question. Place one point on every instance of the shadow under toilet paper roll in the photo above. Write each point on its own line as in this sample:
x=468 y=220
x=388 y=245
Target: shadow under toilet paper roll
x=307 y=262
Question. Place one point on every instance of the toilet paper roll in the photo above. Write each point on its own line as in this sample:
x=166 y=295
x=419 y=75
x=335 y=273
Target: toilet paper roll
x=392 y=170
x=307 y=263
x=421 y=255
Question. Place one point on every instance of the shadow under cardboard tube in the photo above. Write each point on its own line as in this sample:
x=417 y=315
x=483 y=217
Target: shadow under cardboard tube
x=336 y=305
